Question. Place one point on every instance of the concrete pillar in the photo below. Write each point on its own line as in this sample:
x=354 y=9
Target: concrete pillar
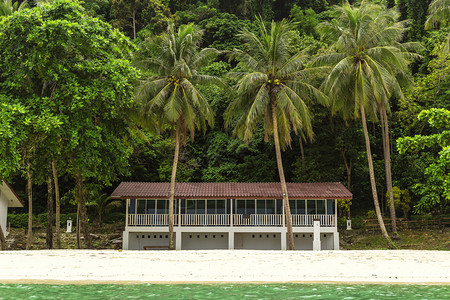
x=349 y=224
x=336 y=240
x=178 y=240
x=316 y=241
x=125 y=236
x=69 y=225
x=231 y=240
x=283 y=240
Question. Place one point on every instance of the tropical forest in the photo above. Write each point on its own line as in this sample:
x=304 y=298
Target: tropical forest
x=97 y=92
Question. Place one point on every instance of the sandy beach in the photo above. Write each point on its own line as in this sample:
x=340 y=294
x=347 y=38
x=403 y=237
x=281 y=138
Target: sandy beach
x=223 y=266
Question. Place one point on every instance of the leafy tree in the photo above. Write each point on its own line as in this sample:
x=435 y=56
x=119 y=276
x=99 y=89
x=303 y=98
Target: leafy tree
x=368 y=67
x=270 y=90
x=142 y=13
x=72 y=69
x=439 y=13
x=306 y=20
x=220 y=31
x=170 y=98
x=101 y=203
x=436 y=190
x=7 y=7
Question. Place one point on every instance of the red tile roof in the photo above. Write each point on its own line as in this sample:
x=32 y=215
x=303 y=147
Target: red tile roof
x=233 y=190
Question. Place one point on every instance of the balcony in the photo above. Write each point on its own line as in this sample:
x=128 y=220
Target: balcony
x=255 y=220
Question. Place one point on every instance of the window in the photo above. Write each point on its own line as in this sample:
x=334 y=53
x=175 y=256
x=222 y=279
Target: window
x=270 y=206
x=292 y=206
x=190 y=206
x=211 y=206
x=132 y=209
x=330 y=207
x=162 y=206
x=301 y=207
x=311 y=207
x=250 y=207
x=140 y=206
x=320 y=205
x=151 y=206
x=200 y=206
x=240 y=207
x=221 y=206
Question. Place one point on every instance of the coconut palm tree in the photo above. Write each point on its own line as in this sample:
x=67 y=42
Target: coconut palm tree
x=272 y=90
x=368 y=67
x=170 y=98
x=7 y=7
x=439 y=13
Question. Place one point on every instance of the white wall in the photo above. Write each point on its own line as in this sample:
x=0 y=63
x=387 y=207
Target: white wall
x=204 y=240
x=257 y=241
x=137 y=240
x=304 y=241
x=3 y=211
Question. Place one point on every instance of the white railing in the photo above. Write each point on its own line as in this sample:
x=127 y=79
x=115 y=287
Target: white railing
x=224 y=220
x=308 y=220
x=205 y=220
x=149 y=219
x=258 y=220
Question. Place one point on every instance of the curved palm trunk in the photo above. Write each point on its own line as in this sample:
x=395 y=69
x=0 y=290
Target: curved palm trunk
x=290 y=235
x=348 y=169
x=372 y=180
x=30 y=208
x=172 y=185
x=57 y=204
x=387 y=166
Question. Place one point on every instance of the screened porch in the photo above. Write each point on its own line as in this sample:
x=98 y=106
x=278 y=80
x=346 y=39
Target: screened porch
x=229 y=212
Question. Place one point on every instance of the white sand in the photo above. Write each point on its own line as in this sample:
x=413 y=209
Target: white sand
x=215 y=266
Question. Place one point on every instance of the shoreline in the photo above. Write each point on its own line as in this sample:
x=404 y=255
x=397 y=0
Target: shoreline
x=225 y=267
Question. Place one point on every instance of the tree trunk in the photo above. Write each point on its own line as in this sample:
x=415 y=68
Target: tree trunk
x=133 y=4
x=172 y=184
x=49 y=238
x=348 y=169
x=302 y=152
x=387 y=166
x=2 y=239
x=78 y=232
x=30 y=207
x=82 y=209
x=372 y=180
x=58 y=205
x=290 y=235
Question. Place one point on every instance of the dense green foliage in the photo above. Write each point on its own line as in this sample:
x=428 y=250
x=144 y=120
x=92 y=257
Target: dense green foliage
x=66 y=89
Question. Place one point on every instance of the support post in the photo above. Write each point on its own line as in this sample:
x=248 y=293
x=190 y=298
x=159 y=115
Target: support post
x=125 y=237
x=336 y=240
x=316 y=236
x=283 y=239
x=179 y=214
x=231 y=240
x=178 y=240
x=127 y=211
x=231 y=218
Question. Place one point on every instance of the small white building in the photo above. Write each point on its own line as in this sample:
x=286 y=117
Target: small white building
x=230 y=215
x=8 y=198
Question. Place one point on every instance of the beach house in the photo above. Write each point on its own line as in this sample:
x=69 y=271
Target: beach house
x=8 y=198
x=230 y=215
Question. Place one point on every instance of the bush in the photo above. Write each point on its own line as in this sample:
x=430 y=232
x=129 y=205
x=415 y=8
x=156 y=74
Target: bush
x=21 y=220
x=113 y=217
x=18 y=220
x=65 y=217
x=357 y=223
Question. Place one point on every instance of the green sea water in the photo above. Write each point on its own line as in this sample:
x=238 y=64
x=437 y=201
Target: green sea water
x=224 y=291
